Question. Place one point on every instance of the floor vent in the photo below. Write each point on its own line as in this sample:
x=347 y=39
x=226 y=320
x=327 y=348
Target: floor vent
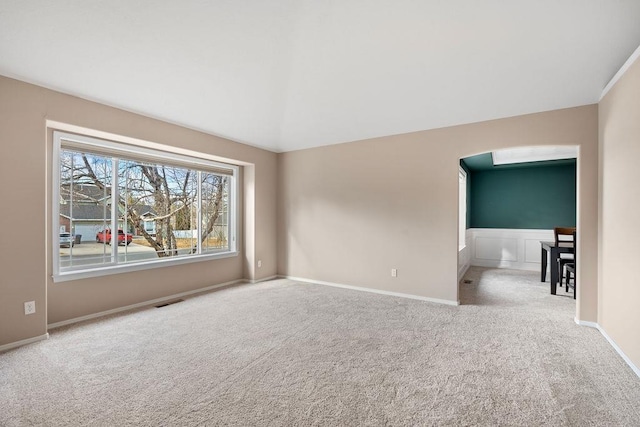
x=467 y=281
x=169 y=303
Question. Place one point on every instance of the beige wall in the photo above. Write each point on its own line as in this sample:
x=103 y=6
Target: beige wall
x=25 y=214
x=346 y=213
x=349 y=213
x=619 y=114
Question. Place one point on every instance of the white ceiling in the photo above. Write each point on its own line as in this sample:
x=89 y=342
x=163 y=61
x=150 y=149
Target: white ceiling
x=291 y=74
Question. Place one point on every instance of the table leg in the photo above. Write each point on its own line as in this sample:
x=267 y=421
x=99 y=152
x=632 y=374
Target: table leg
x=554 y=270
x=543 y=269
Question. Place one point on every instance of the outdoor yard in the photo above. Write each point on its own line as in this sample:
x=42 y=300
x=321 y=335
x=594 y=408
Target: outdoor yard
x=87 y=253
x=186 y=243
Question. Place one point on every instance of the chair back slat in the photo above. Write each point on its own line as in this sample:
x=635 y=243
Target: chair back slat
x=565 y=235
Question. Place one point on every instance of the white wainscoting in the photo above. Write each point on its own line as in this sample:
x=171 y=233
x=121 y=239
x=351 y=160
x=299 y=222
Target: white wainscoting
x=507 y=248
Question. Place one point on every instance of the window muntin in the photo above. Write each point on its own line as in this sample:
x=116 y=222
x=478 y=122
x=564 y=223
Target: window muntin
x=155 y=201
x=78 y=200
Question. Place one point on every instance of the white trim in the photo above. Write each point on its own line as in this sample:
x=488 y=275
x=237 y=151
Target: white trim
x=374 y=291
x=595 y=325
x=20 y=343
x=539 y=153
x=137 y=266
x=117 y=148
x=266 y=279
x=633 y=367
x=66 y=127
x=463 y=271
x=635 y=55
x=142 y=304
x=585 y=323
x=462 y=208
x=464 y=257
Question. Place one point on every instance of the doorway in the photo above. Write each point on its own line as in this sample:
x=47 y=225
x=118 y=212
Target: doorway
x=514 y=199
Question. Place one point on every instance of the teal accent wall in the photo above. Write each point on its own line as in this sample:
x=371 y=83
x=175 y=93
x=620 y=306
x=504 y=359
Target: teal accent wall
x=527 y=198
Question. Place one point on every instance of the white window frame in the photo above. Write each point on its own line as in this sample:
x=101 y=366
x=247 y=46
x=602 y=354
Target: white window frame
x=462 y=208
x=116 y=148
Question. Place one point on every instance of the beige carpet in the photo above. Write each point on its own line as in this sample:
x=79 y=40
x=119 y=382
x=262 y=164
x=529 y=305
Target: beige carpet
x=284 y=353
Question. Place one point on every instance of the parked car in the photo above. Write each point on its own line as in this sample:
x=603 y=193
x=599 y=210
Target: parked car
x=66 y=240
x=104 y=236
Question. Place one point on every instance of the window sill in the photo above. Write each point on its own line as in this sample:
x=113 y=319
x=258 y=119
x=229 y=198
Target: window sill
x=68 y=276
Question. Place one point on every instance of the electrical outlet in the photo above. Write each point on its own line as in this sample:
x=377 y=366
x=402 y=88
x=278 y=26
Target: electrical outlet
x=394 y=272
x=259 y=263
x=29 y=307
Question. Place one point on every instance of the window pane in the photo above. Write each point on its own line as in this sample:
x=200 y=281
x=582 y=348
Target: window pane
x=135 y=204
x=85 y=209
x=215 y=212
x=158 y=205
x=118 y=210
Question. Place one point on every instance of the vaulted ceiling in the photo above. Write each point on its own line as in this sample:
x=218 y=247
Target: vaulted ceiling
x=292 y=74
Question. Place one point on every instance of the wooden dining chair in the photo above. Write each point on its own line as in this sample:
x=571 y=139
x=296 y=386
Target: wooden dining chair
x=564 y=235
x=570 y=270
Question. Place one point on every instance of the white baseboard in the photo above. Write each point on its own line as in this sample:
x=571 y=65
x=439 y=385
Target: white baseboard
x=275 y=276
x=142 y=304
x=20 y=343
x=615 y=346
x=620 y=352
x=585 y=323
x=463 y=271
x=374 y=291
x=506 y=264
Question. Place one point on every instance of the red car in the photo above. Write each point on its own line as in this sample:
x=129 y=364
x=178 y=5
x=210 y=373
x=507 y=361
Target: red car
x=104 y=236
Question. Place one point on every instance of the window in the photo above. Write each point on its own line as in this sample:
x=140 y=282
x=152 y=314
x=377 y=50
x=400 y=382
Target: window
x=462 y=210
x=130 y=208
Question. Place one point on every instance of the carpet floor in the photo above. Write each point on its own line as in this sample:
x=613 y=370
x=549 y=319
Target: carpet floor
x=286 y=353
